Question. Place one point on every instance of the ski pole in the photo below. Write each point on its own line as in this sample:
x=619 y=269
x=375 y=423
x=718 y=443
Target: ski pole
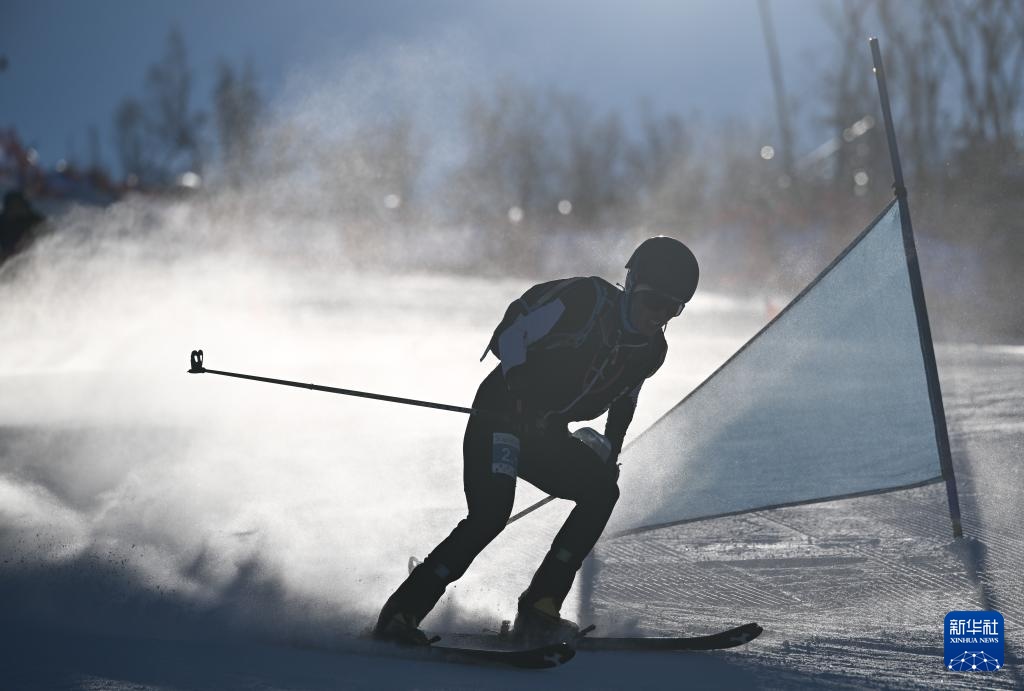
x=531 y=509
x=588 y=436
x=196 y=361
x=197 y=367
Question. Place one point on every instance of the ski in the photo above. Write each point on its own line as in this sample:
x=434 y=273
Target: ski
x=542 y=657
x=502 y=640
x=468 y=650
x=481 y=653
x=730 y=638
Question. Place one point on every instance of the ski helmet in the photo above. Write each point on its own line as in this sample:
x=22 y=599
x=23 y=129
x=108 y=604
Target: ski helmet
x=663 y=265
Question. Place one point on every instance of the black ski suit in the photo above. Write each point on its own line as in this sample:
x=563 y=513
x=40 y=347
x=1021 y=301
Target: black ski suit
x=568 y=354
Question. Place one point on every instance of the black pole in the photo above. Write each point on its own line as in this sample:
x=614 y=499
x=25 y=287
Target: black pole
x=531 y=509
x=196 y=362
x=917 y=290
x=197 y=368
x=890 y=132
x=781 y=109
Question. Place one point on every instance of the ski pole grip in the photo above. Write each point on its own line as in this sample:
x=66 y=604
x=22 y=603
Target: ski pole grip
x=197 y=362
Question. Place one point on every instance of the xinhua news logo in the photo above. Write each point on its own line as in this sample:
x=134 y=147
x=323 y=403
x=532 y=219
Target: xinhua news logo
x=974 y=641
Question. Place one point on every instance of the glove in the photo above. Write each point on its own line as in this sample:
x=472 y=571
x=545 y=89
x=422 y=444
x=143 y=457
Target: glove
x=597 y=442
x=602 y=446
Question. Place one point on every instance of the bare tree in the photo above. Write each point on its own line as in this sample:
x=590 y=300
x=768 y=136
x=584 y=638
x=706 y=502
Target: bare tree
x=238 y=106
x=849 y=94
x=916 y=70
x=373 y=171
x=510 y=159
x=160 y=136
x=176 y=128
x=95 y=157
x=591 y=170
x=666 y=181
x=985 y=39
x=131 y=140
x=956 y=68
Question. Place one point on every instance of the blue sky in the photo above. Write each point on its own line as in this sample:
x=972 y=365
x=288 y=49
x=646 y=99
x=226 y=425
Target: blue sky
x=71 y=62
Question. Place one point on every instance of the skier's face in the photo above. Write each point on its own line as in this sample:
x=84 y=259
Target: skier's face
x=649 y=312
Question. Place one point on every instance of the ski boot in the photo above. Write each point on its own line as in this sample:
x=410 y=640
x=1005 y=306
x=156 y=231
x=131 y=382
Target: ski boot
x=400 y=618
x=400 y=628
x=539 y=623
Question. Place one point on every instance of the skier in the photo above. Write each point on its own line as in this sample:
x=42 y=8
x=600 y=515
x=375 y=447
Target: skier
x=18 y=224
x=570 y=350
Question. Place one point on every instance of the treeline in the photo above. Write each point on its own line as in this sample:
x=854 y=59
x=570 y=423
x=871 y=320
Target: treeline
x=956 y=73
x=159 y=137
x=536 y=162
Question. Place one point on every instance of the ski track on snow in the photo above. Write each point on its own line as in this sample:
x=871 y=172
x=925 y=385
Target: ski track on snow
x=852 y=593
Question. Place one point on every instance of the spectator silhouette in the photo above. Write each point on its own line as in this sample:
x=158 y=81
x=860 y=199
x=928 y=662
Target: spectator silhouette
x=17 y=220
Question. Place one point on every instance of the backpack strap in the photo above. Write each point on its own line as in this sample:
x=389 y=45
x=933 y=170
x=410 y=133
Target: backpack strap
x=526 y=307
x=576 y=339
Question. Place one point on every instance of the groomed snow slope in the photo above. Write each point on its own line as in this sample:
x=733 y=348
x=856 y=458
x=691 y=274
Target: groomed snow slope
x=163 y=531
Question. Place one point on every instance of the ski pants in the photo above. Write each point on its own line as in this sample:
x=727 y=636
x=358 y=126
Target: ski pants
x=553 y=461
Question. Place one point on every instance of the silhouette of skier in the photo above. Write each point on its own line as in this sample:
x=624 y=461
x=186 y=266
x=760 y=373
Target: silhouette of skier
x=17 y=221
x=570 y=350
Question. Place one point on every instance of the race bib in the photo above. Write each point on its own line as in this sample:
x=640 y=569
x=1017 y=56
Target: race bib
x=505 y=454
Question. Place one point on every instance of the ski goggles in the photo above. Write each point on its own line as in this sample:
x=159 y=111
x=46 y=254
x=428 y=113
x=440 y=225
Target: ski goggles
x=661 y=303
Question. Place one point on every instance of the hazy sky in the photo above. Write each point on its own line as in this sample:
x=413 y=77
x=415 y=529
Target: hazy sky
x=71 y=62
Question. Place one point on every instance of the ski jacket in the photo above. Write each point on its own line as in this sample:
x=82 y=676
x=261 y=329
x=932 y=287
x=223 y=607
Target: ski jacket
x=568 y=351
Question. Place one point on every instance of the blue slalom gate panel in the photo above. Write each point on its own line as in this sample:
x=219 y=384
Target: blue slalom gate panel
x=829 y=400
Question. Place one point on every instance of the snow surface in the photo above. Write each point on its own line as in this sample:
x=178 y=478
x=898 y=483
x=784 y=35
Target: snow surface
x=168 y=531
